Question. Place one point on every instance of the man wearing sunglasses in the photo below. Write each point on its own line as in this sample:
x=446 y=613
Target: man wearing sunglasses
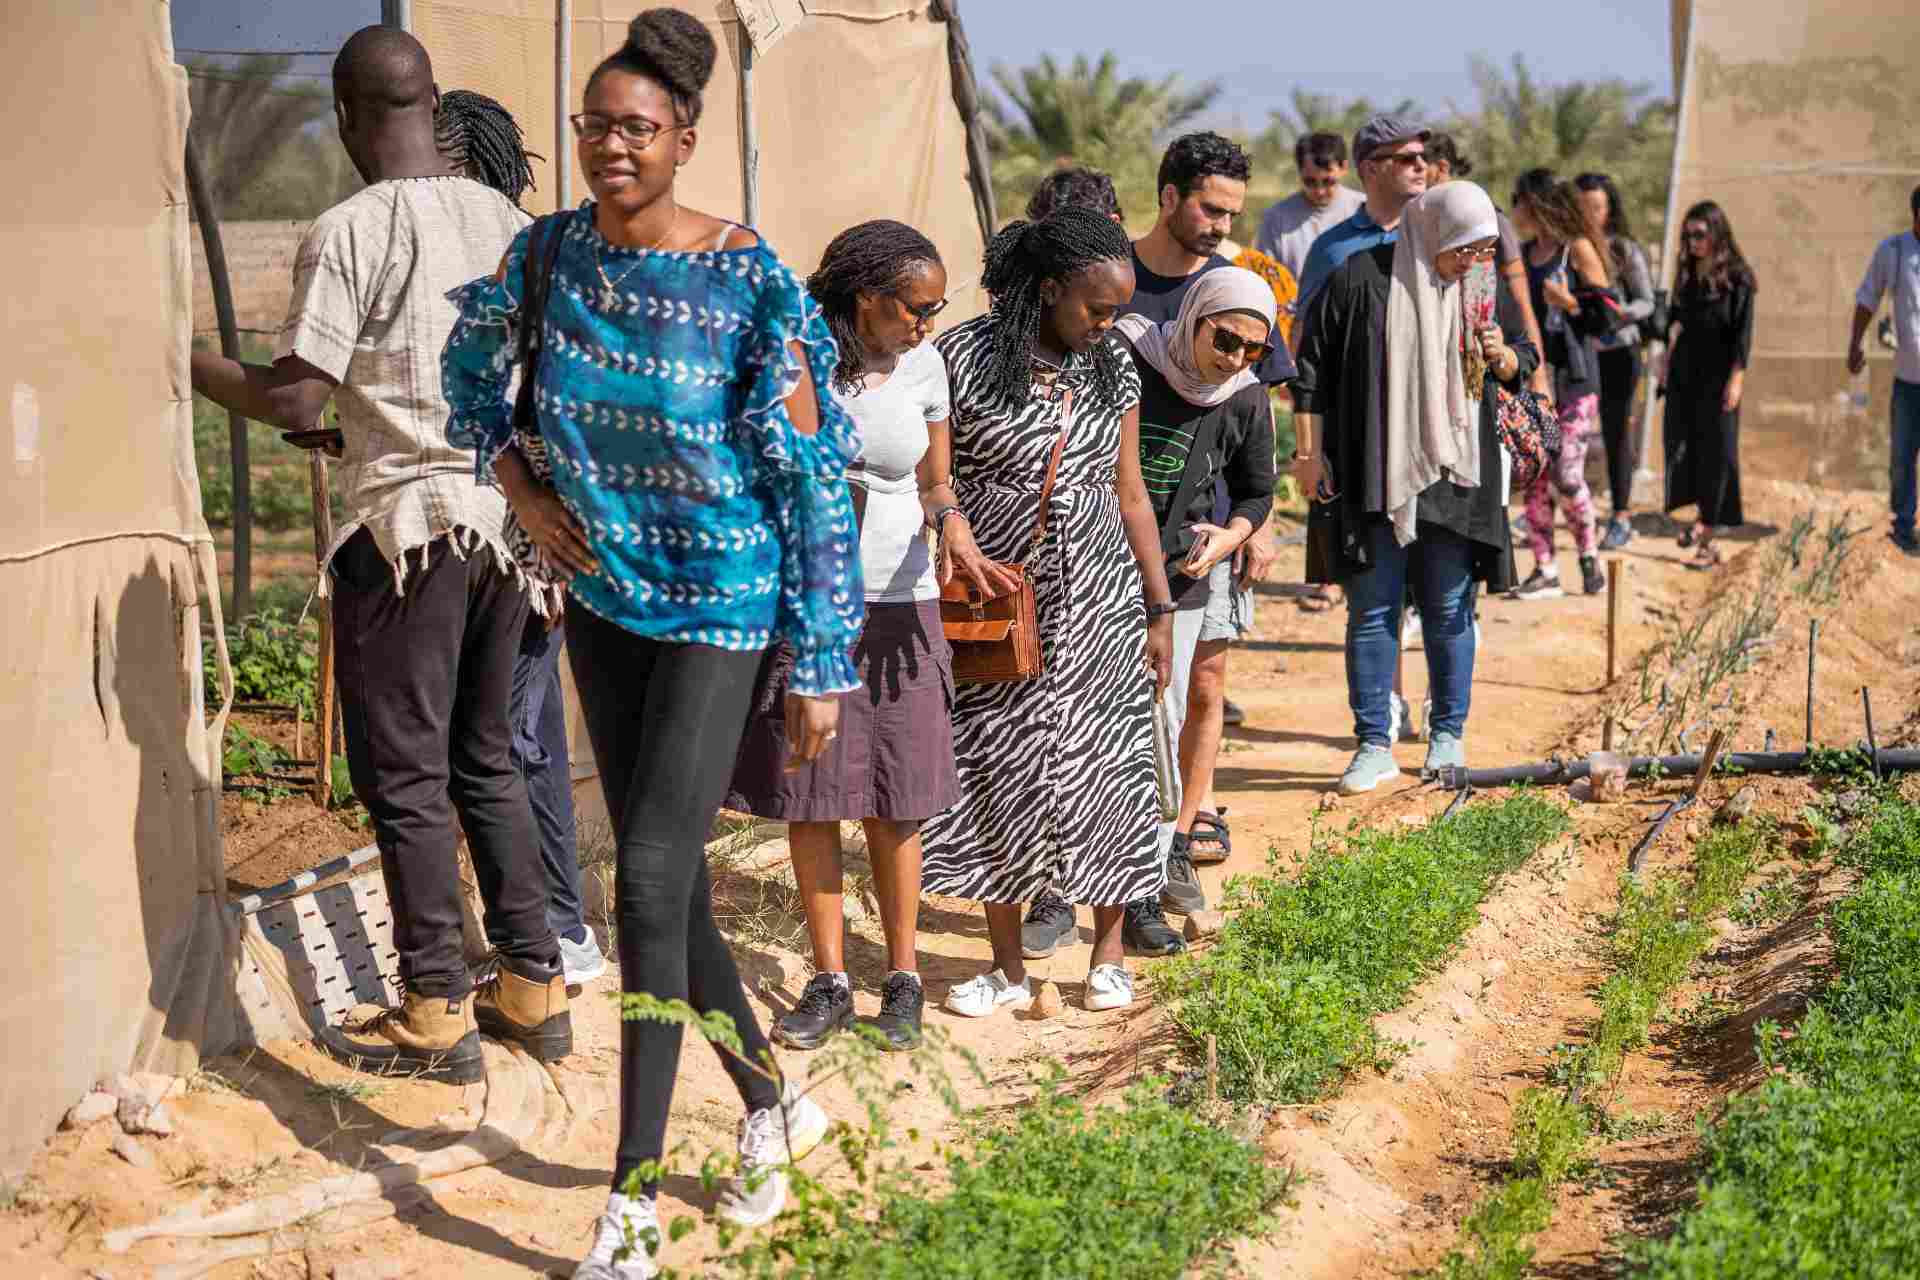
x=1324 y=200
x=1391 y=156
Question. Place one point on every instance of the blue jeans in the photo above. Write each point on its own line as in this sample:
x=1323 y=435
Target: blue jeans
x=538 y=718
x=1438 y=565
x=1903 y=454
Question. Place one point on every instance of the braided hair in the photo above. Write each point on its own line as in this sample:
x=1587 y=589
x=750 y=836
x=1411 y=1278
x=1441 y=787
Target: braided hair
x=1020 y=257
x=874 y=257
x=480 y=138
x=673 y=49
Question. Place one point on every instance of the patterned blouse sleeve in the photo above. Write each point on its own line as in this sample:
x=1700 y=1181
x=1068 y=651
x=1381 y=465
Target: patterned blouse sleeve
x=476 y=366
x=821 y=594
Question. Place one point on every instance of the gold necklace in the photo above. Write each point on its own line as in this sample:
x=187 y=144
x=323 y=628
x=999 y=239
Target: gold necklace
x=612 y=296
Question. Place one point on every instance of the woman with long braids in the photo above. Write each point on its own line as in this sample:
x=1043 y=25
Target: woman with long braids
x=481 y=139
x=698 y=511
x=1056 y=772
x=1705 y=376
x=881 y=284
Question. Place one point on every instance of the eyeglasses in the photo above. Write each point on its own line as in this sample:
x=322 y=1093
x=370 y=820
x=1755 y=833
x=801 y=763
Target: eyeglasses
x=637 y=132
x=1228 y=343
x=1475 y=252
x=1319 y=184
x=926 y=311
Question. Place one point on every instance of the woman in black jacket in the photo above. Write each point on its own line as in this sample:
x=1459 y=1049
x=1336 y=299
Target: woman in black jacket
x=1404 y=462
x=1705 y=377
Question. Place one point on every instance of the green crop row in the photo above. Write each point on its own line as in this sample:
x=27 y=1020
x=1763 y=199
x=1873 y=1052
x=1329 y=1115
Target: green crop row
x=1289 y=991
x=1813 y=1174
x=1658 y=931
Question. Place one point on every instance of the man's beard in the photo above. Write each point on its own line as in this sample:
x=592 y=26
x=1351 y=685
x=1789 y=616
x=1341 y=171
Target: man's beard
x=1203 y=244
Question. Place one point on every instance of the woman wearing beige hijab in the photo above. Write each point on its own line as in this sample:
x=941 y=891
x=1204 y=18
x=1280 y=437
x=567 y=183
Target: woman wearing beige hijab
x=1394 y=387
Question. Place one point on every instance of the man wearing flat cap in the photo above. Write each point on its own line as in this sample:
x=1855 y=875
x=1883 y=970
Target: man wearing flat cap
x=1390 y=157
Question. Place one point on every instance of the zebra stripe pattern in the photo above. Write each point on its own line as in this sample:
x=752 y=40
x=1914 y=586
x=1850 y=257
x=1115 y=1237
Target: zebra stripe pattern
x=1056 y=773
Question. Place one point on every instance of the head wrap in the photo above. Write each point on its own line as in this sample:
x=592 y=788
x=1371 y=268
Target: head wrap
x=1169 y=347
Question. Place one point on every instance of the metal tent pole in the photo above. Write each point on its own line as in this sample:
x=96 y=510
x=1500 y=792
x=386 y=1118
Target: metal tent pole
x=562 y=99
x=1669 y=238
x=397 y=13
x=749 y=136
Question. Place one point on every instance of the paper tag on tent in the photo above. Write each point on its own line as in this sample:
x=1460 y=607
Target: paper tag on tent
x=768 y=22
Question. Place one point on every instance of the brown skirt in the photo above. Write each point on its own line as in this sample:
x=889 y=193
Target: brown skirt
x=893 y=758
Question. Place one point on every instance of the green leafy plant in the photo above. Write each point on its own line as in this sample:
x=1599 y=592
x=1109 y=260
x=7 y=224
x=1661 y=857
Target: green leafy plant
x=1289 y=990
x=275 y=658
x=247 y=753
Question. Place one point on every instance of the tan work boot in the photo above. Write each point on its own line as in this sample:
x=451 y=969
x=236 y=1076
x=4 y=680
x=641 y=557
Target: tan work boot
x=430 y=1036
x=533 y=1014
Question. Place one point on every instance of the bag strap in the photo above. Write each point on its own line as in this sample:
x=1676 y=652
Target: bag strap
x=1053 y=473
x=543 y=252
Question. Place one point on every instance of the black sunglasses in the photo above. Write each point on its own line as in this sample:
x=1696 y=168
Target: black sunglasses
x=1228 y=343
x=926 y=311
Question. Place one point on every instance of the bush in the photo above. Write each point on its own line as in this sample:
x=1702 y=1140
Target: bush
x=1813 y=1174
x=275 y=659
x=1066 y=1191
x=1289 y=990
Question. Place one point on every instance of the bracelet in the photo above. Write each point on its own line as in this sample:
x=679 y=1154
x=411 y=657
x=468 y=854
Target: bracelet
x=940 y=515
x=1161 y=610
x=1304 y=457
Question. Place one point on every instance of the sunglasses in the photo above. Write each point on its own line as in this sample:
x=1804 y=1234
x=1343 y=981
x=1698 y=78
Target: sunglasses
x=1228 y=343
x=926 y=311
x=1474 y=253
x=1405 y=159
x=1319 y=184
x=1701 y=234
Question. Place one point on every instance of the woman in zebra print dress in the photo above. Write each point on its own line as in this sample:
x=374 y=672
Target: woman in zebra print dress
x=1056 y=773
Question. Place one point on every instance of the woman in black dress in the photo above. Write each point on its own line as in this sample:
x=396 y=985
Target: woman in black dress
x=1705 y=376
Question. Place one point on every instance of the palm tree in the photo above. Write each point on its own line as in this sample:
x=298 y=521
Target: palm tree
x=1089 y=112
x=260 y=135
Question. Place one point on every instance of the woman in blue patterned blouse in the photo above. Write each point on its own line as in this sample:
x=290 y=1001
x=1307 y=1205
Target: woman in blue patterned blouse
x=698 y=511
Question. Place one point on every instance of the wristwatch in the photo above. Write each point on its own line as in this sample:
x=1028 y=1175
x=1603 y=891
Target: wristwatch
x=1161 y=610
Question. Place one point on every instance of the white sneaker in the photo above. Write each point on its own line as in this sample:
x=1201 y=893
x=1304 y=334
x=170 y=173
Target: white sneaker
x=1108 y=987
x=988 y=994
x=625 y=1239
x=771 y=1139
x=581 y=962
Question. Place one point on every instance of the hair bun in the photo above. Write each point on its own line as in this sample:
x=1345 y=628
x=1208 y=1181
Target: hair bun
x=675 y=44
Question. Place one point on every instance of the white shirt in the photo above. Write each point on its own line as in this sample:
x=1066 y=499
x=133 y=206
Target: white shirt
x=1896 y=265
x=893 y=419
x=1289 y=228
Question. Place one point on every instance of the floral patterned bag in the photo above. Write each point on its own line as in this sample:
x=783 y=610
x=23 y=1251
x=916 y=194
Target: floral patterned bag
x=1529 y=434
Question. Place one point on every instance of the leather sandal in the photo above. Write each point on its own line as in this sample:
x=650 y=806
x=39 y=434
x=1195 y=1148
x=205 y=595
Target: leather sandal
x=1209 y=843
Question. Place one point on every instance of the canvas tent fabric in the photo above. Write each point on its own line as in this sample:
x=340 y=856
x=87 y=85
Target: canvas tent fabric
x=1801 y=118
x=122 y=951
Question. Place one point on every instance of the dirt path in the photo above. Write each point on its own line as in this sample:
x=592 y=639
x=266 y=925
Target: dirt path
x=1393 y=1161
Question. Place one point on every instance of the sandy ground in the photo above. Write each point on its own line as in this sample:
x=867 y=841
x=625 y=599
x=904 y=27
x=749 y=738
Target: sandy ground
x=1390 y=1164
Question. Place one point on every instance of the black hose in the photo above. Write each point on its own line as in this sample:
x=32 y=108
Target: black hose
x=1561 y=771
x=200 y=195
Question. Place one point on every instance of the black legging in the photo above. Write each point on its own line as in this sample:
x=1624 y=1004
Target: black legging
x=665 y=721
x=1619 y=373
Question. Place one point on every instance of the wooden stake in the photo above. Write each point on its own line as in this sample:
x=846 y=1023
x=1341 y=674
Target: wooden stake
x=1714 y=744
x=1813 y=644
x=1616 y=570
x=323 y=679
x=1213 y=1069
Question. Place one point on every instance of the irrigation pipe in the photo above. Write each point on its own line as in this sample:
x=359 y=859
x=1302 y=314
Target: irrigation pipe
x=305 y=880
x=1561 y=771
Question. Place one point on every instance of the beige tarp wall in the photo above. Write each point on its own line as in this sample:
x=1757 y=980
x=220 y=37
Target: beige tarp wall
x=854 y=109
x=1802 y=119
x=117 y=953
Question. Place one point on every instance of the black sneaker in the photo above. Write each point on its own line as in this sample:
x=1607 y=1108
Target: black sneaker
x=824 y=1008
x=1183 y=894
x=1049 y=923
x=899 y=1018
x=1590 y=576
x=1231 y=714
x=1146 y=930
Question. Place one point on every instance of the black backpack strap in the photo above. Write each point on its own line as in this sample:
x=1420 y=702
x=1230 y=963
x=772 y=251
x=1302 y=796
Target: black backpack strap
x=543 y=251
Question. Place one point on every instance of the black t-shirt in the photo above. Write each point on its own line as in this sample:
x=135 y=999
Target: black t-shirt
x=1239 y=462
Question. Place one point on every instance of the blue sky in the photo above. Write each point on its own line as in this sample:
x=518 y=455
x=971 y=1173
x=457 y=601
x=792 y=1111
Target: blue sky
x=1404 y=49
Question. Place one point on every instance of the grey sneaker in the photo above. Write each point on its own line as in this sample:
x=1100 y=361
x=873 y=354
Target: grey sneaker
x=1183 y=894
x=581 y=962
x=1443 y=752
x=1400 y=725
x=625 y=1239
x=1540 y=586
x=1372 y=765
x=1049 y=923
x=1619 y=534
x=771 y=1139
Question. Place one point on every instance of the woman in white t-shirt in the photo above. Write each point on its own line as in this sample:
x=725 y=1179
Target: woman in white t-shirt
x=880 y=284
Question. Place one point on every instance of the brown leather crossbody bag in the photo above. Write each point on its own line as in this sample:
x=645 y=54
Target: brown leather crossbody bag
x=996 y=639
